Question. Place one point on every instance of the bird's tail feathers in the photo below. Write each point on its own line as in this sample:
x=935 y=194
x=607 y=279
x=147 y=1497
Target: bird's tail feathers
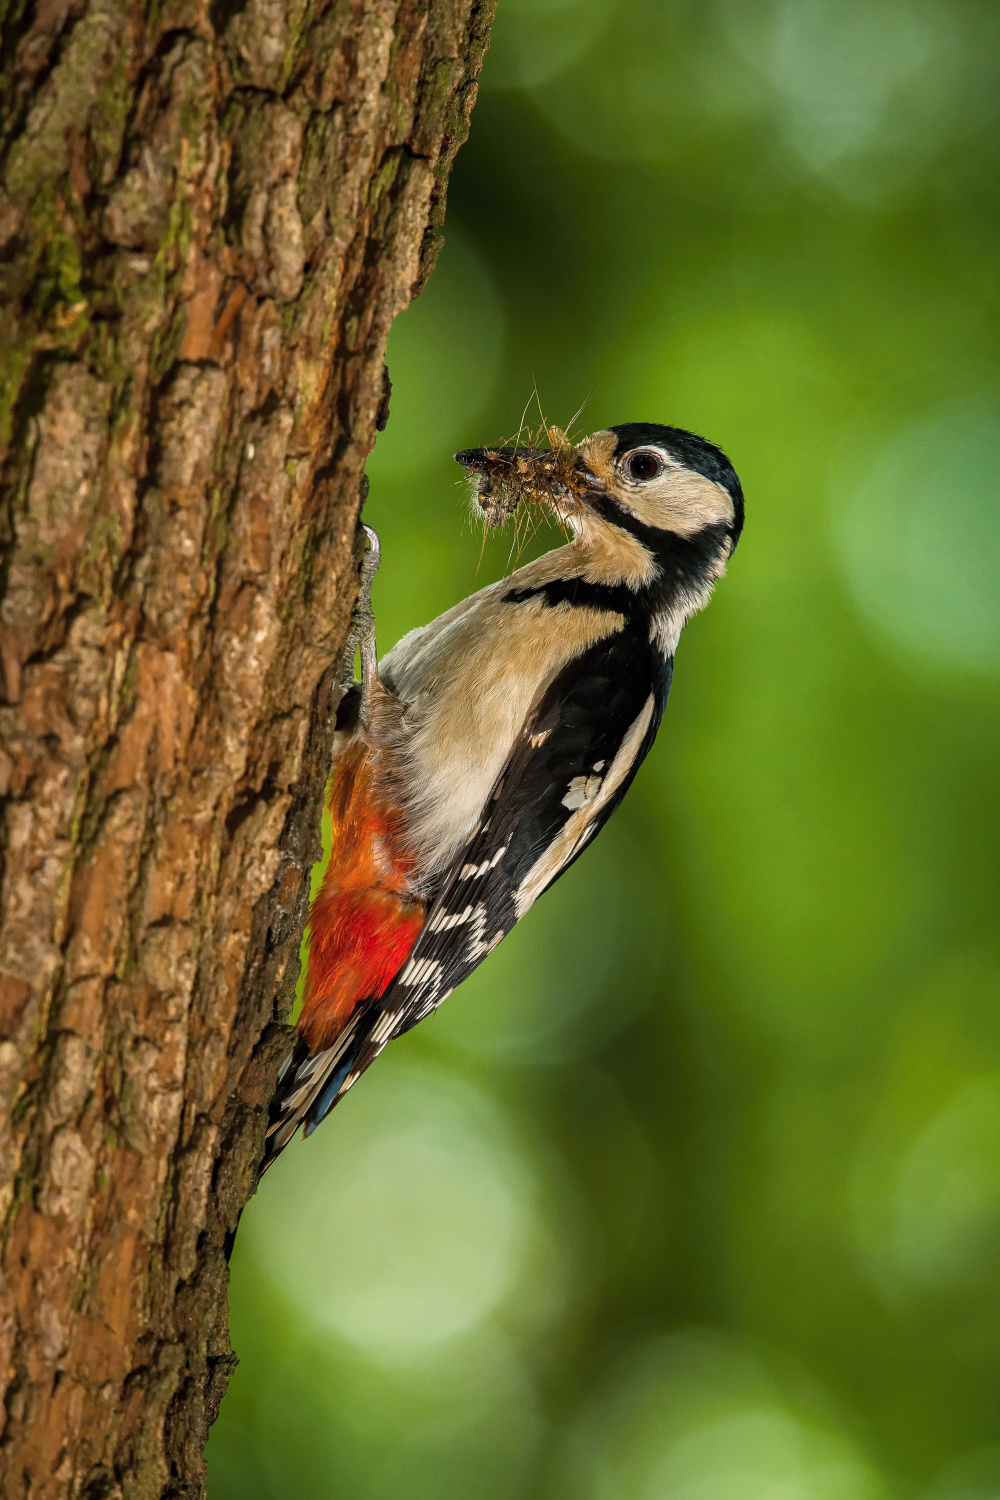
x=311 y=1083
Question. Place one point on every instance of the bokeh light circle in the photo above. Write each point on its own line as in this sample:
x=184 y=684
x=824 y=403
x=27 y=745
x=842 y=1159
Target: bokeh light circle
x=543 y=997
x=455 y=328
x=973 y=1476
x=694 y=1417
x=863 y=90
x=532 y=40
x=757 y=1453
x=408 y=1218
x=650 y=87
x=862 y=94
x=947 y=1209
x=920 y=538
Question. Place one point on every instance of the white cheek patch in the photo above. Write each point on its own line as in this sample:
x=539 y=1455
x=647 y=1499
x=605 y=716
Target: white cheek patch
x=679 y=501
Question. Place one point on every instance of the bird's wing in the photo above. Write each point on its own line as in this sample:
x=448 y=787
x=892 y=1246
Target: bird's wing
x=568 y=771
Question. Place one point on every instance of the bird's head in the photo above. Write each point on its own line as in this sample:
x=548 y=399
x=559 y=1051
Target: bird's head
x=670 y=490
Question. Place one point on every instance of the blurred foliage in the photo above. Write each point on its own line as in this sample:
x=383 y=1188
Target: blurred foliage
x=693 y=1191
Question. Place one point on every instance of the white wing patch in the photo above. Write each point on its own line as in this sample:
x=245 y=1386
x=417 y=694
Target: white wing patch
x=579 y=825
x=582 y=789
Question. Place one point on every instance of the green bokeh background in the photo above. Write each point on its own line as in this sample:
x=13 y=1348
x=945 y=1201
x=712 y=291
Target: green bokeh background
x=692 y=1192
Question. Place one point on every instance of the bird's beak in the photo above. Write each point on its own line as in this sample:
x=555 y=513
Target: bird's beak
x=494 y=460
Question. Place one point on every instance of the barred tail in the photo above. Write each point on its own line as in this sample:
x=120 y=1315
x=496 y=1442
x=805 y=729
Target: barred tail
x=311 y=1083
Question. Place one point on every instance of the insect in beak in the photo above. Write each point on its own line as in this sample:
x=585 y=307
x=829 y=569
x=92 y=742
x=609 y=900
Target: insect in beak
x=505 y=477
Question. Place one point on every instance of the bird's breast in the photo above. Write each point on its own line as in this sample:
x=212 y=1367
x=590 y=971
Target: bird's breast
x=470 y=687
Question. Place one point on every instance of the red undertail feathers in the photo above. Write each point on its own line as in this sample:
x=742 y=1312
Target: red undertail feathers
x=366 y=917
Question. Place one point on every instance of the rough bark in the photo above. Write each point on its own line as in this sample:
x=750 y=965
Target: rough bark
x=210 y=215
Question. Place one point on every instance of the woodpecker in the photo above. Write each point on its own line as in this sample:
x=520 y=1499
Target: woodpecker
x=474 y=765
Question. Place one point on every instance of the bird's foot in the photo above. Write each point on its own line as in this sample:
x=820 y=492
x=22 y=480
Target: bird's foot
x=362 y=629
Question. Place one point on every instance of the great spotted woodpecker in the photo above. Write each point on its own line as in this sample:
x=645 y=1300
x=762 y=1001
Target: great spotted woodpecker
x=472 y=768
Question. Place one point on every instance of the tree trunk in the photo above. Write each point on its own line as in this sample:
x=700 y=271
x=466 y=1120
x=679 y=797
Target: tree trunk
x=210 y=215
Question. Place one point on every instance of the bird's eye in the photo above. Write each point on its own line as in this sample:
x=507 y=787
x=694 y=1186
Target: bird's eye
x=643 y=465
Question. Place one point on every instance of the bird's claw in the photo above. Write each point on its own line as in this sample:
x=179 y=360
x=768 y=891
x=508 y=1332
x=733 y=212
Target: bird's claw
x=362 y=628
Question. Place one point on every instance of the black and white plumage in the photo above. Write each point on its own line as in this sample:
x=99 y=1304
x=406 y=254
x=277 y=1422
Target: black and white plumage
x=506 y=732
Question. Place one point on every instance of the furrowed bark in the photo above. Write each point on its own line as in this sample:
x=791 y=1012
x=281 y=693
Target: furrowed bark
x=210 y=215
